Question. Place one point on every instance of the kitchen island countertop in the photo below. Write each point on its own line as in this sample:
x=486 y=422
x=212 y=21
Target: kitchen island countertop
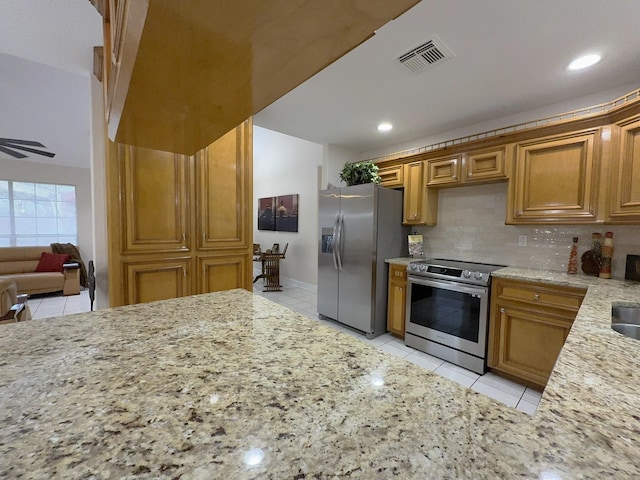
x=230 y=385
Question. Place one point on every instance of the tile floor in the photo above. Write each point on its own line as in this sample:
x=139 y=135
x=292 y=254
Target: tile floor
x=304 y=301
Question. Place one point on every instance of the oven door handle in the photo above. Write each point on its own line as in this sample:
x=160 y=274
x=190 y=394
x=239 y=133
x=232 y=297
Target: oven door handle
x=453 y=286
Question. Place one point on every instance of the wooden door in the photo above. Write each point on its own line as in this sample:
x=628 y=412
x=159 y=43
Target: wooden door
x=555 y=180
x=484 y=165
x=156 y=279
x=222 y=272
x=624 y=201
x=396 y=308
x=420 y=205
x=155 y=200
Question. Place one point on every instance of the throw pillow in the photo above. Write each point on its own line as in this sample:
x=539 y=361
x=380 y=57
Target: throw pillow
x=52 y=262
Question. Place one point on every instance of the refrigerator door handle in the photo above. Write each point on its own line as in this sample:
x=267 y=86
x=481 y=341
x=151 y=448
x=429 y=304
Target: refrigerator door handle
x=335 y=241
x=339 y=247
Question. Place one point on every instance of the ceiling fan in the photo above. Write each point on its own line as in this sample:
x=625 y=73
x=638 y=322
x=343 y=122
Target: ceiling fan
x=12 y=147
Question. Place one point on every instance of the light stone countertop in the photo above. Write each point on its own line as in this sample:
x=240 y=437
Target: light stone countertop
x=184 y=388
x=400 y=260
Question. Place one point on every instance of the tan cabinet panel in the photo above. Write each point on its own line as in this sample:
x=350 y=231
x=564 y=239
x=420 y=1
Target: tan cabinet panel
x=154 y=196
x=485 y=165
x=391 y=177
x=420 y=205
x=223 y=178
x=223 y=273
x=397 y=295
x=160 y=279
x=444 y=171
x=529 y=324
x=555 y=180
x=625 y=175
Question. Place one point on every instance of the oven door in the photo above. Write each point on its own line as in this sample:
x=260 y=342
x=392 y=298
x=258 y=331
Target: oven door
x=449 y=313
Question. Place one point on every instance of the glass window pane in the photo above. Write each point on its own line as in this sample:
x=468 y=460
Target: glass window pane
x=45 y=191
x=5 y=226
x=67 y=226
x=27 y=241
x=24 y=208
x=4 y=189
x=66 y=193
x=4 y=242
x=47 y=225
x=4 y=207
x=46 y=209
x=67 y=240
x=66 y=209
x=26 y=226
x=22 y=190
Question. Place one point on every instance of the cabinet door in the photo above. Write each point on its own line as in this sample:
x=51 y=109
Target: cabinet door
x=158 y=279
x=391 y=177
x=555 y=180
x=420 y=203
x=222 y=272
x=444 y=171
x=155 y=200
x=624 y=204
x=484 y=165
x=526 y=344
x=223 y=183
x=397 y=298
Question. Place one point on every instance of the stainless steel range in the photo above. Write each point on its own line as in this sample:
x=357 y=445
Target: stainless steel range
x=448 y=310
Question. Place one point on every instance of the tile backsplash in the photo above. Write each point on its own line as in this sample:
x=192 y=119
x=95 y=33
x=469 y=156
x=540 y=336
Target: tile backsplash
x=471 y=227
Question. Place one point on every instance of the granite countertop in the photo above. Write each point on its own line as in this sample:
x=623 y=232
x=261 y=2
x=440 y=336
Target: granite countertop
x=201 y=387
x=400 y=260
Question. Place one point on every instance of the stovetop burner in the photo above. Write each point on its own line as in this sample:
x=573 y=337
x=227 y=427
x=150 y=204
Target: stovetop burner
x=455 y=270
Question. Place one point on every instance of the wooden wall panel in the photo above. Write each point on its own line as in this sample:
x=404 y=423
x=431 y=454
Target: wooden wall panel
x=151 y=280
x=218 y=273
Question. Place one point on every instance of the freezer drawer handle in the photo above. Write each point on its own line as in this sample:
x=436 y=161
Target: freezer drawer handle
x=339 y=241
x=335 y=242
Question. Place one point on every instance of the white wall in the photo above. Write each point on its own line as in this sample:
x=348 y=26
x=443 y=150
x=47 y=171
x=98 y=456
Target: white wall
x=26 y=171
x=284 y=165
x=99 y=195
x=334 y=159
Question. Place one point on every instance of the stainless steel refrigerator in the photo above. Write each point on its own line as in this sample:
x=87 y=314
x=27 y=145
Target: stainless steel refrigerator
x=359 y=227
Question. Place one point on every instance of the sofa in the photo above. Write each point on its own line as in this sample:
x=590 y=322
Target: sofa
x=28 y=268
x=12 y=307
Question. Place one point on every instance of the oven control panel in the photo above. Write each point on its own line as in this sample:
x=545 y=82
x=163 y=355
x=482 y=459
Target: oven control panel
x=466 y=272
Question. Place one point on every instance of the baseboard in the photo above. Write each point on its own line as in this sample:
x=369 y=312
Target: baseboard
x=291 y=282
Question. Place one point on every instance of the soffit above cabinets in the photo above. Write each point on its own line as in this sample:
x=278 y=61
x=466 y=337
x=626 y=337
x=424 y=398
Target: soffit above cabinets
x=191 y=71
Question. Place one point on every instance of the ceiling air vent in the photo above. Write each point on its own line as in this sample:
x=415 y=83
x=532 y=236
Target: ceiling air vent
x=426 y=55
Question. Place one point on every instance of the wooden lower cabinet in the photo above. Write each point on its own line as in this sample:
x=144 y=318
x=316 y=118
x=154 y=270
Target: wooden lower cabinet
x=156 y=279
x=396 y=305
x=529 y=323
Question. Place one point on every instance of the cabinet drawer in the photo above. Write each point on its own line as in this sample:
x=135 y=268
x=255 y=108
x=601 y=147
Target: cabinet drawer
x=559 y=297
x=391 y=176
x=397 y=272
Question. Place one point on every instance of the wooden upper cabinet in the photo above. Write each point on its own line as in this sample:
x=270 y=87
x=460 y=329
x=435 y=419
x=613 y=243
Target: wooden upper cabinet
x=475 y=166
x=444 y=171
x=420 y=204
x=392 y=177
x=624 y=200
x=154 y=193
x=224 y=186
x=484 y=166
x=555 y=180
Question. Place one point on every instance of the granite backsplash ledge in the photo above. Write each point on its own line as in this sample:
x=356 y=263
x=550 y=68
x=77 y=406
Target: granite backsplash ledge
x=471 y=227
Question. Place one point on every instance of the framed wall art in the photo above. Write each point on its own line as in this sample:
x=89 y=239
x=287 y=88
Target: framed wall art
x=286 y=213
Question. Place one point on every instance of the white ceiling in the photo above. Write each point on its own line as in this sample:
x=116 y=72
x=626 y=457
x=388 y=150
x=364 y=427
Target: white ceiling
x=510 y=57
x=46 y=56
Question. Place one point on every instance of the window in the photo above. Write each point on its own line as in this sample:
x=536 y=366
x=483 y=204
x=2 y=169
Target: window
x=37 y=214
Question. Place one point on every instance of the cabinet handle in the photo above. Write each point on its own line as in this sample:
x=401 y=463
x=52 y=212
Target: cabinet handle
x=400 y=288
x=502 y=310
x=536 y=296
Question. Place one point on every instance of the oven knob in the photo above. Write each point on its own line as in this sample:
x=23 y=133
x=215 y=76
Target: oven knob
x=423 y=268
x=466 y=274
x=412 y=266
x=477 y=275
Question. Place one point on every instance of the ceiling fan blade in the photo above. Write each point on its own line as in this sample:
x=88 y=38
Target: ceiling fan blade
x=31 y=143
x=11 y=152
x=30 y=150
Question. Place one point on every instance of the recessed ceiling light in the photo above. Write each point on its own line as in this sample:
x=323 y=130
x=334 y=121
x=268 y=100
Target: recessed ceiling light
x=584 y=62
x=385 y=127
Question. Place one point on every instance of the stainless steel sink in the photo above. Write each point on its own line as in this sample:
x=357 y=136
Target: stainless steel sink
x=625 y=319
